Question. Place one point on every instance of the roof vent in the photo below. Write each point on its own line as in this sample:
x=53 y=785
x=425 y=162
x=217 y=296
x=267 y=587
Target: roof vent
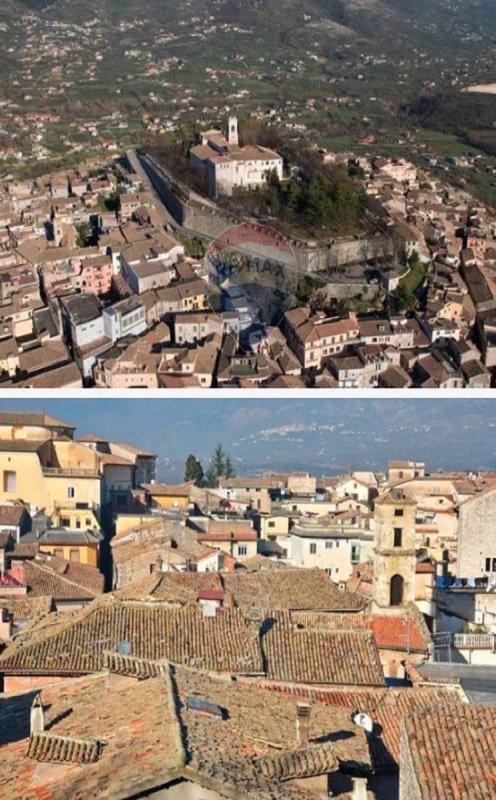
x=363 y=721
x=124 y=648
x=205 y=708
x=37 y=716
x=303 y=711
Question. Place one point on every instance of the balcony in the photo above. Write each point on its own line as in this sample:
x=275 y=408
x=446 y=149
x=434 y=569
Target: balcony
x=67 y=472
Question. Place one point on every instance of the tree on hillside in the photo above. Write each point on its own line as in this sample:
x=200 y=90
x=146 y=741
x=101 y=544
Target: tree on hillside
x=193 y=470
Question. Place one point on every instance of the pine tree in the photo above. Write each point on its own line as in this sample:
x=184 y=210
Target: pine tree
x=193 y=470
x=228 y=468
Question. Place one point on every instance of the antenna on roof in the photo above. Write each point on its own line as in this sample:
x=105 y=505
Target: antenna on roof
x=363 y=721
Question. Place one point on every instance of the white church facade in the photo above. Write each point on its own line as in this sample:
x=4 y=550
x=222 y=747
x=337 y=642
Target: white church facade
x=226 y=165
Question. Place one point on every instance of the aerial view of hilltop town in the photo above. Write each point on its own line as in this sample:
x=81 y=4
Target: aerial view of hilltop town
x=273 y=634
x=190 y=198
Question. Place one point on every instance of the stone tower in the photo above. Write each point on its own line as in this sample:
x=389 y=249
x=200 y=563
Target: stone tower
x=232 y=131
x=394 y=554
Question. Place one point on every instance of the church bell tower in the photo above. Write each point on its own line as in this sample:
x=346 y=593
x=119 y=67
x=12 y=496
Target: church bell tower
x=394 y=554
x=232 y=131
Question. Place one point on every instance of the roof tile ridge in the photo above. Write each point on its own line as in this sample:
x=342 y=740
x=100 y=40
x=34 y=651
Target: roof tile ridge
x=174 y=703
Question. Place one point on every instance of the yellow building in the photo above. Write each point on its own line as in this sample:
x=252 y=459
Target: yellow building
x=130 y=522
x=161 y=495
x=272 y=526
x=66 y=516
x=236 y=537
x=73 y=545
x=49 y=474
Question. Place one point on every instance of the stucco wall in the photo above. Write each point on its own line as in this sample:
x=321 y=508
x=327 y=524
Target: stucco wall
x=476 y=535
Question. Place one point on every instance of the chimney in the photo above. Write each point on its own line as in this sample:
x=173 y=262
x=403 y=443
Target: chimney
x=37 y=717
x=17 y=572
x=359 y=789
x=303 y=723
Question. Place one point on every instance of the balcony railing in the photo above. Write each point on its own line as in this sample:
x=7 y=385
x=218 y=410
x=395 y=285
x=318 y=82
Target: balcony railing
x=465 y=641
x=70 y=473
x=474 y=641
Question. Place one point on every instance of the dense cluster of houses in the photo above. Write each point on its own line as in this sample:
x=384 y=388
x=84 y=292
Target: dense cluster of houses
x=96 y=289
x=268 y=637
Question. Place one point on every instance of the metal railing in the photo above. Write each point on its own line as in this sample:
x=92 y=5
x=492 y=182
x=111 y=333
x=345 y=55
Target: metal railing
x=465 y=641
x=479 y=641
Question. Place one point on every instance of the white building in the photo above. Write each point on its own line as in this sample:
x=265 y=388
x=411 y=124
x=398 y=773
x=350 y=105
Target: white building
x=226 y=165
x=125 y=318
x=336 y=549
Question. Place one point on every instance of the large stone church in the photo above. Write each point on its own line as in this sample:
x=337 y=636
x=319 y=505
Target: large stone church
x=226 y=165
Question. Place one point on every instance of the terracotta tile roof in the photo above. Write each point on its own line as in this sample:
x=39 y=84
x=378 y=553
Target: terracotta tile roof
x=290 y=588
x=62 y=580
x=60 y=749
x=453 y=751
x=227 y=535
x=398 y=633
x=145 y=734
x=136 y=724
x=11 y=515
x=386 y=707
x=297 y=655
x=179 y=588
x=78 y=644
x=37 y=419
x=26 y=608
x=301 y=763
x=162 y=489
x=255 y=744
x=390 y=632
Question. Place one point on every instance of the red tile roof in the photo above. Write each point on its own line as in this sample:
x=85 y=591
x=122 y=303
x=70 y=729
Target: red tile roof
x=398 y=633
x=453 y=751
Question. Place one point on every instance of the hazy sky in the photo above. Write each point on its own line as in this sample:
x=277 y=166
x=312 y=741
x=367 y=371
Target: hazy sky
x=321 y=435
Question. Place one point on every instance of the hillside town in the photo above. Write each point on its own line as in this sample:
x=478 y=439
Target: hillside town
x=273 y=635
x=102 y=286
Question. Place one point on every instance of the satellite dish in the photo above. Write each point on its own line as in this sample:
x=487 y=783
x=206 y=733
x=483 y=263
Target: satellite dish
x=363 y=721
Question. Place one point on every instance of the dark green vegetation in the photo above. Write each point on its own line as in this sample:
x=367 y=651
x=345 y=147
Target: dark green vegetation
x=406 y=296
x=220 y=466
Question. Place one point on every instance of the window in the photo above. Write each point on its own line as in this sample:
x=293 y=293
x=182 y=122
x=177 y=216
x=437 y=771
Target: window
x=78 y=522
x=58 y=551
x=328 y=545
x=396 y=590
x=398 y=512
x=9 y=481
x=490 y=564
x=397 y=537
x=313 y=548
x=242 y=550
x=71 y=492
x=271 y=524
x=74 y=555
